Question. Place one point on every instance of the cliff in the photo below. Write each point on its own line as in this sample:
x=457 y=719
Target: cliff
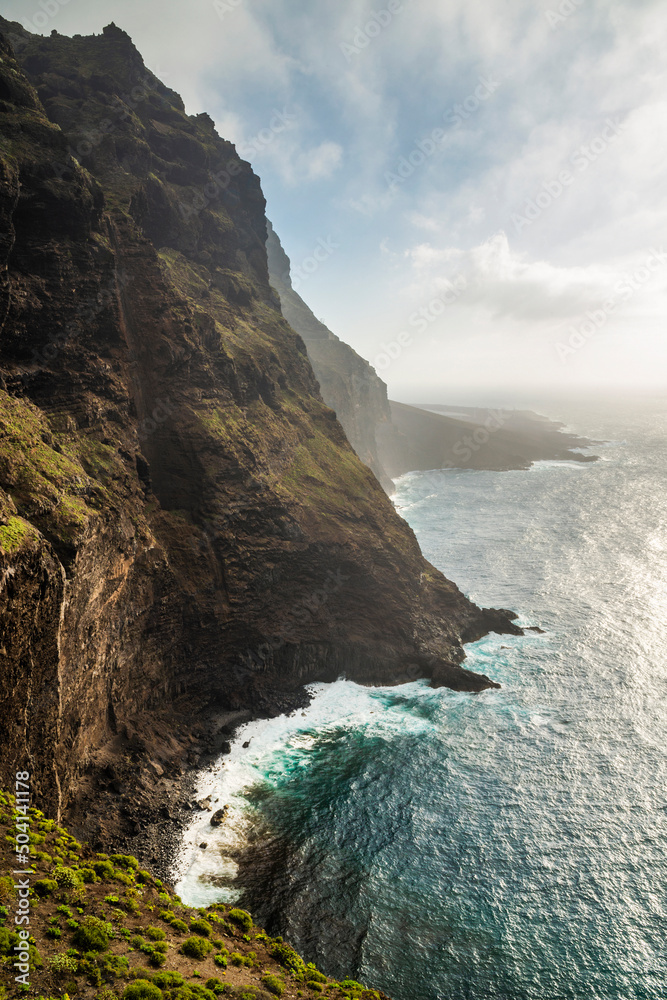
x=185 y=531
x=349 y=385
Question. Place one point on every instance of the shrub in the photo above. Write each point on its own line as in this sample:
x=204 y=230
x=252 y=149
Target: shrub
x=121 y=877
x=313 y=974
x=93 y=935
x=103 y=869
x=54 y=933
x=315 y=986
x=220 y=960
x=113 y=966
x=144 y=877
x=66 y=878
x=273 y=984
x=201 y=927
x=62 y=964
x=139 y=972
x=112 y=899
x=65 y=910
x=87 y=875
x=196 y=947
x=45 y=887
x=72 y=924
x=125 y=861
x=180 y=926
x=236 y=958
x=137 y=941
x=215 y=985
x=155 y=933
x=168 y=980
x=288 y=958
x=241 y=917
x=142 y=989
x=217 y=942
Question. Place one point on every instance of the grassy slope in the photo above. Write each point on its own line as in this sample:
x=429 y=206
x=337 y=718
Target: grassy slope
x=139 y=928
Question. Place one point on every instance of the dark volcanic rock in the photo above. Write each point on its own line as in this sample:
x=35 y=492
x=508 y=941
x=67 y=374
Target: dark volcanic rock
x=186 y=535
x=219 y=817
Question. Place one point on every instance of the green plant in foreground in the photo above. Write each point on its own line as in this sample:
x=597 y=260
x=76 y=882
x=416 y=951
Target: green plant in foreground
x=142 y=989
x=273 y=984
x=196 y=947
x=241 y=918
x=93 y=935
x=66 y=878
x=201 y=927
x=62 y=963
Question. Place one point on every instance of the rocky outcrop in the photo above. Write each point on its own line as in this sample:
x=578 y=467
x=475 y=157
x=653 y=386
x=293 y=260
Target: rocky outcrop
x=185 y=531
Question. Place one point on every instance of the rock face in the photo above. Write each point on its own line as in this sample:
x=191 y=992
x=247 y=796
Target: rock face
x=349 y=385
x=184 y=527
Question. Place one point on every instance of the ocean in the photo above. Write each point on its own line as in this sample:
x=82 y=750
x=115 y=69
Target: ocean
x=511 y=844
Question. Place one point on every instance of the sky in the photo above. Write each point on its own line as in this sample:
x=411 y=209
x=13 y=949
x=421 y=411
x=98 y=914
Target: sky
x=472 y=192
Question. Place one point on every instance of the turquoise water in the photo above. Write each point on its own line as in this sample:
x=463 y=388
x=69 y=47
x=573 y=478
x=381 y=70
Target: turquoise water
x=506 y=845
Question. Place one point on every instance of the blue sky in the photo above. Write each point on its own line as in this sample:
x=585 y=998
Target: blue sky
x=488 y=176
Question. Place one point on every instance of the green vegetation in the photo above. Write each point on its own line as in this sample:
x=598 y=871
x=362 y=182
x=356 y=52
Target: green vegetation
x=241 y=917
x=15 y=534
x=196 y=947
x=201 y=927
x=93 y=935
x=142 y=989
x=88 y=937
x=273 y=984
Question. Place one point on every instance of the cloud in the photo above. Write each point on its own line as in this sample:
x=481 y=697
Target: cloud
x=326 y=171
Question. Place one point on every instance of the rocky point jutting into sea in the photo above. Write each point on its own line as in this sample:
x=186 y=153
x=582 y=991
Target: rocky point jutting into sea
x=187 y=537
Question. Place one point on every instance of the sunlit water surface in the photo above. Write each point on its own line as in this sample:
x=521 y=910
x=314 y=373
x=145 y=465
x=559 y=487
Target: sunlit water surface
x=506 y=845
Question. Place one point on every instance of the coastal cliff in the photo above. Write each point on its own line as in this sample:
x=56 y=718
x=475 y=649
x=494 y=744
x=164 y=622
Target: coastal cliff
x=186 y=534
x=348 y=383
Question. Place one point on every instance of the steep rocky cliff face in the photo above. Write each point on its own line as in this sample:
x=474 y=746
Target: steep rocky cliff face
x=349 y=385
x=184 y=527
